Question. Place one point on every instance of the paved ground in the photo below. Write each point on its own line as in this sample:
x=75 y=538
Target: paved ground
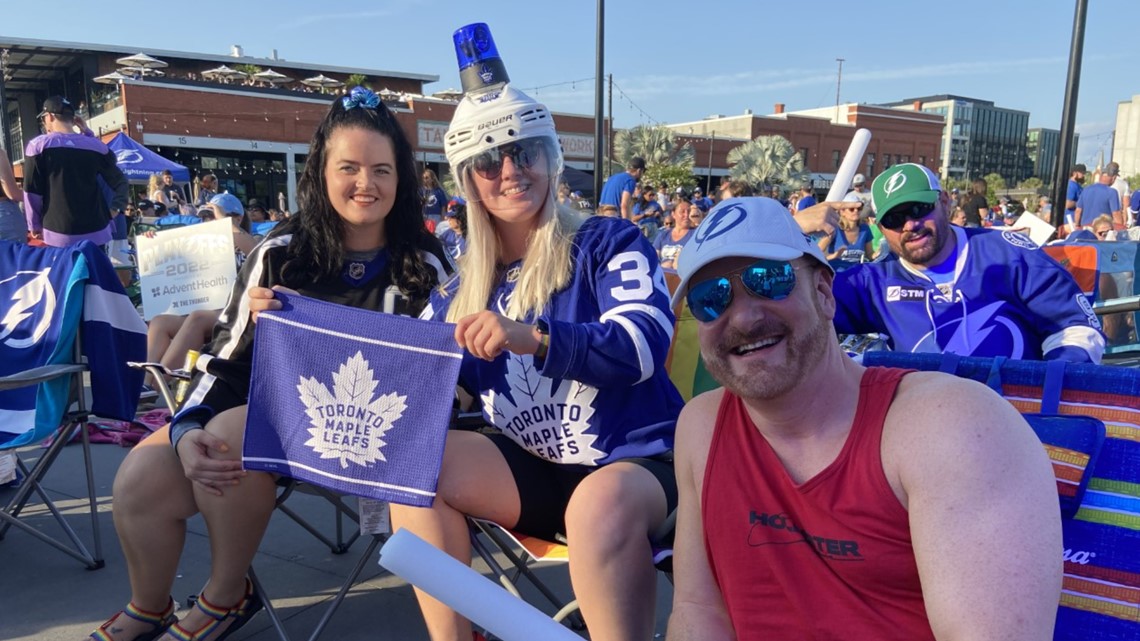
x=47 y=596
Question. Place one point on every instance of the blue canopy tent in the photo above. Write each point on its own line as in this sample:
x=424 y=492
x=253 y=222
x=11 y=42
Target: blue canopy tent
x=138 y=163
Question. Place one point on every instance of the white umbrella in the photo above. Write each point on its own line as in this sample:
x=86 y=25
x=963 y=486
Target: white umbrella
x=272 y=77
x=135 y=72
x=142 y=60
x=448 y=94
x=322 y=81
x=112 y=78
x=224 y=73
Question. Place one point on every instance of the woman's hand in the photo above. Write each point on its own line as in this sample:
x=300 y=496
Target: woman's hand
x=487 y=334
x=209 y=473
x=262 y=299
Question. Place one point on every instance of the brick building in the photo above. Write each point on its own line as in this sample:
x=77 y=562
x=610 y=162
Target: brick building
x=821 y=136
x=252 y=134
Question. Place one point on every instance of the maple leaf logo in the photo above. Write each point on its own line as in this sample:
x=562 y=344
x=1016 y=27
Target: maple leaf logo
x=348 y=423
x=546 y=416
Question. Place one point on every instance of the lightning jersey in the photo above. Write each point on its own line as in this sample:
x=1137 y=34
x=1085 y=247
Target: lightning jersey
x=1006 y=298
x=45 y=294
x=602 y=393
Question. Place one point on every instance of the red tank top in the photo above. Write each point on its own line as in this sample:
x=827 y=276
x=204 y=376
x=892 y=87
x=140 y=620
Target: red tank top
x=830 y=558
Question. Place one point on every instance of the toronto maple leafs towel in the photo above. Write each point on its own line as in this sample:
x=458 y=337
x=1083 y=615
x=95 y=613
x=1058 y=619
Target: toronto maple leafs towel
x=351 y=400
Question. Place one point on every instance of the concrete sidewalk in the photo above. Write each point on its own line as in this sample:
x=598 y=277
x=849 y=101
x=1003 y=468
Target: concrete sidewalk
x=47 y=596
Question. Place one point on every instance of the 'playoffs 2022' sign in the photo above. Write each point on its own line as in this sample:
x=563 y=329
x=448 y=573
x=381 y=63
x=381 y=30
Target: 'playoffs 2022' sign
x=187 y=269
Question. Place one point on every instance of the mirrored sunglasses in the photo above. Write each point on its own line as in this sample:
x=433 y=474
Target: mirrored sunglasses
x=524 y=153
x=768 y=279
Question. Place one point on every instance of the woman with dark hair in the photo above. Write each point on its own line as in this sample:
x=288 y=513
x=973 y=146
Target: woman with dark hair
x=360 y=241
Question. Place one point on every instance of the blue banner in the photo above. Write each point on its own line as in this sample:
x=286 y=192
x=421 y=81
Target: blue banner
x=352 y=400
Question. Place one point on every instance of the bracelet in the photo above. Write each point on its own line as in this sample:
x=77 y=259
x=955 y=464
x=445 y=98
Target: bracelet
x=543 y=346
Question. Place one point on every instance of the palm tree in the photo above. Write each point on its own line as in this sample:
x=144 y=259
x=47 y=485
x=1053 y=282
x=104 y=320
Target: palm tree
x=767 y=160
x=657 y=145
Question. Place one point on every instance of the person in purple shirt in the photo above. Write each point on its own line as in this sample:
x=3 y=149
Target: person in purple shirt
x=63 y=196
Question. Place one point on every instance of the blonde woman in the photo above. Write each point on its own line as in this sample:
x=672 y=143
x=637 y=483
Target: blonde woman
x=155 y=191
x=566 y=323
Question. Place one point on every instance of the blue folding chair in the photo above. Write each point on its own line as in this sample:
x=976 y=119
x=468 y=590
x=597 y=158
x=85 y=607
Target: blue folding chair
x=63 y=313
x=1088 y=419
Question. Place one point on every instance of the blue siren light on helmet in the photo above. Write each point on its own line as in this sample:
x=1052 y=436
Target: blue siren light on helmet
x=493 y=117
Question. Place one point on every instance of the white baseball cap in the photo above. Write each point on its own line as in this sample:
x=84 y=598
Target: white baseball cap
x=858 y=179
x=744 y=227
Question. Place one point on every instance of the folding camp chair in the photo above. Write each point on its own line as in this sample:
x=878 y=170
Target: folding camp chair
x=49 y=299
x=339 y=543
x=1098 y=478
x=72 y=374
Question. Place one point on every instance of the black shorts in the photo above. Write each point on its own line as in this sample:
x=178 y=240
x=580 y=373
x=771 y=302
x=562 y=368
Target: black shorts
x=545 y=487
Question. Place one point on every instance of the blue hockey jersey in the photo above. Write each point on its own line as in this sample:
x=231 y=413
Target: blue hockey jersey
x=45 y=293
x=602 y=393
x=1006 y=298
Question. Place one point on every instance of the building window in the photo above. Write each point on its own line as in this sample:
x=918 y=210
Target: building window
x=887 y=161
x=904 y=159
x=835 y=159
x=804 y=155
x=870 y=166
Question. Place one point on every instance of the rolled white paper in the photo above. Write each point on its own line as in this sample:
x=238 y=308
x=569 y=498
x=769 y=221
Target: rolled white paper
x=468 y=592
x=847 y=169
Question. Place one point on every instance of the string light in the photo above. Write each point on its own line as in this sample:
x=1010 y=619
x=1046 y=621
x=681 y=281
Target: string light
x=633 y=105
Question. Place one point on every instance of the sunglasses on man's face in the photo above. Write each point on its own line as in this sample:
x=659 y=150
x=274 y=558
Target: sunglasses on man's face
x=524 y=153
x=897 y=217
x=769 y=279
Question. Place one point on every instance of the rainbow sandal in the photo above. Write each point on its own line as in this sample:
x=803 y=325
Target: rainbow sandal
x=160 y=620
x=236 y=616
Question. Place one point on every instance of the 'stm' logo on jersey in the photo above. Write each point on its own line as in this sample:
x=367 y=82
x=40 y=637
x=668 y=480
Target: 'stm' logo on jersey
x=896 y=293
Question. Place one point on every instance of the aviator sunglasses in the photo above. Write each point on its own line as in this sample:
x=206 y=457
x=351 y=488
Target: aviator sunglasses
x=897 y=217
x=770 y=279
x=524 y=153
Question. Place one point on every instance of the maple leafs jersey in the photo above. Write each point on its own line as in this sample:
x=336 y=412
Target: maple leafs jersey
x=602 y=393
x=1006 y=298
x=224 y=366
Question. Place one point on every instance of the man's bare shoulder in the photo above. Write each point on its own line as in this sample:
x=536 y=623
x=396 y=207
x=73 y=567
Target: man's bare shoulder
x=941 y=418
x=695 y=427
x=699 y=414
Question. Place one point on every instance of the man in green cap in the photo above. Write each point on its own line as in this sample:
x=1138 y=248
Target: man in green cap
x=973 y=292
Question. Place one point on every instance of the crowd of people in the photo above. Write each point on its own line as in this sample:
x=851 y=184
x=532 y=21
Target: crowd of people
x=813 y=496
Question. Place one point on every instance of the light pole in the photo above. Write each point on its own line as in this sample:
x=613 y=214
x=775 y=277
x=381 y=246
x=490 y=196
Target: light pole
x=838 y=84
x=599 y=95
x=1069 y=114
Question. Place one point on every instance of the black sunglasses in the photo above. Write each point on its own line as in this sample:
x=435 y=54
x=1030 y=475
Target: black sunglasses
x=524 y=153
x=770 y=279
x=897 y=217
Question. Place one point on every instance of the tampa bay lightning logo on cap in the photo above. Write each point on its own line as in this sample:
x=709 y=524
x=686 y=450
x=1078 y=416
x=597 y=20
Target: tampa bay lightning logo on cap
x=720 y=223
x=894 y=183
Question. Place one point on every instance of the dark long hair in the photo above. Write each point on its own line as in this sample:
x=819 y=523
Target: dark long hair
x=316 y=250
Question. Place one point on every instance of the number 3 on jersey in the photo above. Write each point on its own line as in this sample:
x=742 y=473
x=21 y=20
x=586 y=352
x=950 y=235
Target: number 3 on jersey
x=637 y=282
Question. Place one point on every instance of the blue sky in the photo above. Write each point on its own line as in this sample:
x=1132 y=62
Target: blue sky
x=672 y=61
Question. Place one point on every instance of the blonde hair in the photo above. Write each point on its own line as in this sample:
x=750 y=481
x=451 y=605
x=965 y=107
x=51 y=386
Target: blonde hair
x=1103 y=219
x=153 y=184
x=546 y=265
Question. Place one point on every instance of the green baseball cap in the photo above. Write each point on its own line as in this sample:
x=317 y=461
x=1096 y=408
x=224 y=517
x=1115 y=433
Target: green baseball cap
x=906 y=183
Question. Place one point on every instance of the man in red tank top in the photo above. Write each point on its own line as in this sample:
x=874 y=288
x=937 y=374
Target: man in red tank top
x=823 y=500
